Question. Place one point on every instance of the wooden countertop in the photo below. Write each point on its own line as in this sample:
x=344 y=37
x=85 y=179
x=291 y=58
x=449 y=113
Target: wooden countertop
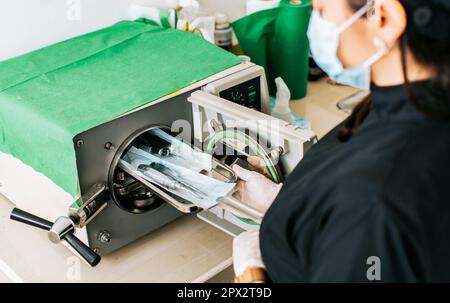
x=187 y=250
x=320 y=106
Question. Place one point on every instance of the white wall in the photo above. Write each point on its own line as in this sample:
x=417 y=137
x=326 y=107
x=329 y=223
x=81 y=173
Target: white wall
x=235 y=9
x=26 y=25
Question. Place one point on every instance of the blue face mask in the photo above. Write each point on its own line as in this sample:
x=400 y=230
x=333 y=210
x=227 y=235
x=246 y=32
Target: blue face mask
x=324 y=42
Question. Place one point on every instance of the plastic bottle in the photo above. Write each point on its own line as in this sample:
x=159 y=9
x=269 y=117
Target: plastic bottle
x=223 y=33
x=282 y=110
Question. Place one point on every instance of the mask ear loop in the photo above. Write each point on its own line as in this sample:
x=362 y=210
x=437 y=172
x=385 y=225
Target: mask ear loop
x=356 y=16
x=383 y=49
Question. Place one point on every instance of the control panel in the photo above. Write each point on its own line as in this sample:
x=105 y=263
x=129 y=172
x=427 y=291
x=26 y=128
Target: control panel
x=247 y=94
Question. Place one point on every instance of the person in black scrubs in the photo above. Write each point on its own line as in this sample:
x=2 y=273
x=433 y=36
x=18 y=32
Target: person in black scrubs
x=371 y=200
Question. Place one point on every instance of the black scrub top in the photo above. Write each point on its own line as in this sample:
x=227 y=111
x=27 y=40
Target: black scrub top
x=384 y=194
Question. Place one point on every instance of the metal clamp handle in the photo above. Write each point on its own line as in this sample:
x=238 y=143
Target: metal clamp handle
x=82 y=249
x=239 y=208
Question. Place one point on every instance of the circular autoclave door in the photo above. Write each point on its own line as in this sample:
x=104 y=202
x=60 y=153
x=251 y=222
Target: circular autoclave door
x=128 y=193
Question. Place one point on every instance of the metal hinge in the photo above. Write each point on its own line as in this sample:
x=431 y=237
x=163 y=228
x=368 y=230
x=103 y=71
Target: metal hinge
x=94 y=201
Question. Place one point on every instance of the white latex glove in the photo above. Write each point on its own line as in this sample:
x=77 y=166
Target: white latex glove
x=255 y=189
x=246 y=252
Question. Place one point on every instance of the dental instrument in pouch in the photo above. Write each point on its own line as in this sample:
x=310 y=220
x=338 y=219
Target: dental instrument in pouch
x=159 y=146
x=168 y=181
x=174 y=175
x=162 y=151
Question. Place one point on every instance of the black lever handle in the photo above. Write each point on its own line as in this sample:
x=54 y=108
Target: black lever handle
x=27 y=218
x=91 y=257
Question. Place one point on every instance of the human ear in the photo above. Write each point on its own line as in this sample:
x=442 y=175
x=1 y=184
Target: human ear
x=388 y=20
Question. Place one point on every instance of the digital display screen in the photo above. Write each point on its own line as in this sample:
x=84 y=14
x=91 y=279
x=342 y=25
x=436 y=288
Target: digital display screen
x=247 y=94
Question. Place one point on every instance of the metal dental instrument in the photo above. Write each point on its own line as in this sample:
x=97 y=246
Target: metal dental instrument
x=167 y=181
x=158 y=146
x=174 y=175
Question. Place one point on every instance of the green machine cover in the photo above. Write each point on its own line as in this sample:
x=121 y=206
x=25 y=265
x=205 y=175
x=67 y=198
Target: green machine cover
x=49 y=96
x=277 y=40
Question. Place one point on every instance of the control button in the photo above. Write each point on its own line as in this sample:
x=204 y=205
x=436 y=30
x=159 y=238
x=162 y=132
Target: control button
x=251 y=97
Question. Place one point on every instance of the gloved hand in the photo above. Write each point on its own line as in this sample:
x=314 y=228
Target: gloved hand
x=254 y=188
x=246 y=252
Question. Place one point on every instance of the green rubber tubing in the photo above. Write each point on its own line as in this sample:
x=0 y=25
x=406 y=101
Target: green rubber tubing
x=252 y=144
x=256 y=149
